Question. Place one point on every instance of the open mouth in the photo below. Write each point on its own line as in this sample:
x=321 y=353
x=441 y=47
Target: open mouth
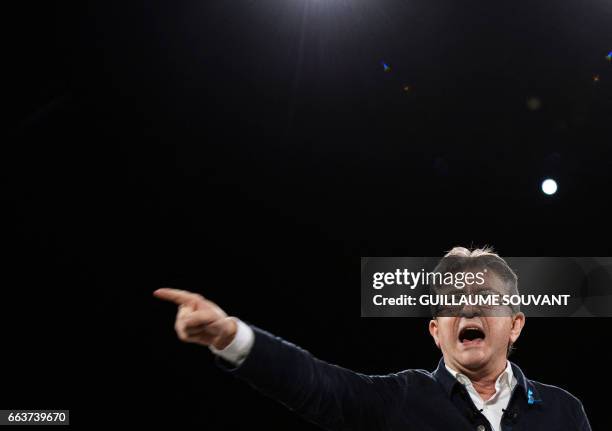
x=471 y=335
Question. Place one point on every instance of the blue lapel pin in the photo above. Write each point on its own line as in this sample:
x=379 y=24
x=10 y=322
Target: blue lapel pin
x=530 y=399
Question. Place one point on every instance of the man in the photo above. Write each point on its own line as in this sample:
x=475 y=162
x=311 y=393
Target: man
x=474 y=386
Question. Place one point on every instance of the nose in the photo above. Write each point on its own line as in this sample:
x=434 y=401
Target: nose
x=470 y=311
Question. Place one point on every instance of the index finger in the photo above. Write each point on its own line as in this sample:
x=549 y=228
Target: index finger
x=175 y=295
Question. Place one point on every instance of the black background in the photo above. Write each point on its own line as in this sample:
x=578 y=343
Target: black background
x=252 y=151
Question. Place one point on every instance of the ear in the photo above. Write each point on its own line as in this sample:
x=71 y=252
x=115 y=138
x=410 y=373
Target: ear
x=518 y=321
x=433 y=330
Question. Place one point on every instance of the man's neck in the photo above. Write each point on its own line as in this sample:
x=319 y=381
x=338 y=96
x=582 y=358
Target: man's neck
x=483 y=379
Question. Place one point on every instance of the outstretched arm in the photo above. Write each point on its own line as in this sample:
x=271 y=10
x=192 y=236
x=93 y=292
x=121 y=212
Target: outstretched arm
x=326 y=394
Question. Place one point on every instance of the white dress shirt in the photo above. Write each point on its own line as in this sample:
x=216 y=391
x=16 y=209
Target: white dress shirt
x=236 y=351
x=492 y=409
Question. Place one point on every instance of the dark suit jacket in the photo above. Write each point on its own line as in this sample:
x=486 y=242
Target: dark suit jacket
x=340 y=399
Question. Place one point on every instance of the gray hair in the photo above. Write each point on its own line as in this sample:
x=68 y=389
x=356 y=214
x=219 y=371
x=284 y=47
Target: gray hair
x=461 y=258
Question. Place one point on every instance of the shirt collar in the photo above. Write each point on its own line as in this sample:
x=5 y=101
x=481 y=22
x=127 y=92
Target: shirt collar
x=449 y=382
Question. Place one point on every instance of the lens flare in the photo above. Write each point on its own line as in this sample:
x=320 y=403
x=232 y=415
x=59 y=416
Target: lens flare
x=549 y=186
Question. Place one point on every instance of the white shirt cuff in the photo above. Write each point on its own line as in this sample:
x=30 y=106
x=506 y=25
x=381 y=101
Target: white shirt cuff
x=237 y=351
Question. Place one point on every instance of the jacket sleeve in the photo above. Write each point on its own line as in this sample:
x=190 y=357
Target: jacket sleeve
x=328 y=395
x=581 y=418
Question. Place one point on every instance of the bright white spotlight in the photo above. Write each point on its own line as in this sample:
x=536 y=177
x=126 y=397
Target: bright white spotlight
x=549 y=186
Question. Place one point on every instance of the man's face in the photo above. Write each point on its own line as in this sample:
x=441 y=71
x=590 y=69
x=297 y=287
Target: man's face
x=471 y=339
